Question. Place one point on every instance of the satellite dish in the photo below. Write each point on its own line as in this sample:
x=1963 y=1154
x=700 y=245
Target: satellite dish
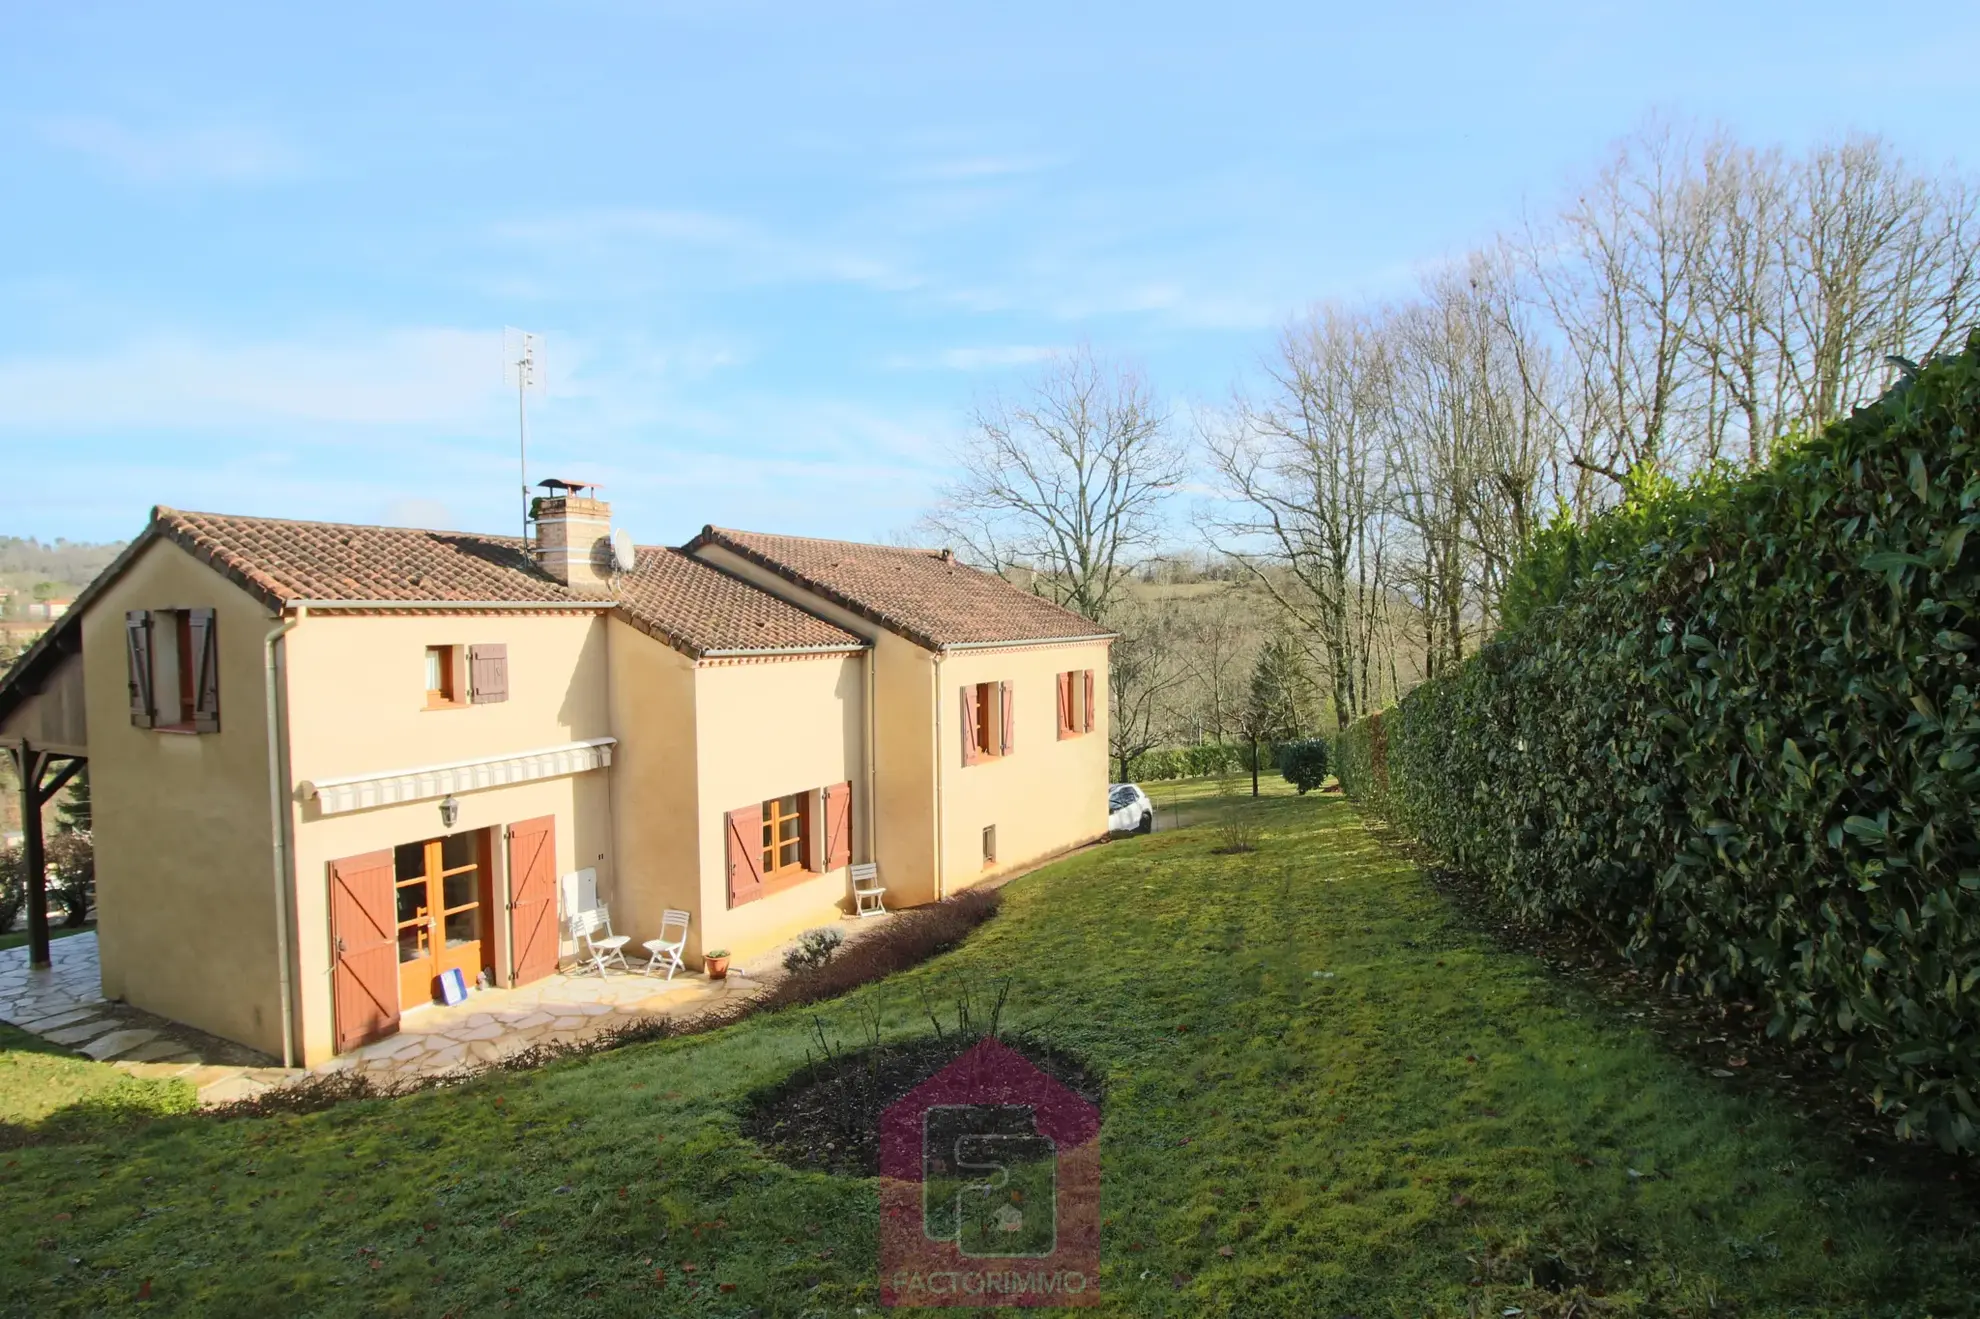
x=624 y=556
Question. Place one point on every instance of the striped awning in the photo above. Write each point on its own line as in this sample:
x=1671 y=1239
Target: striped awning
x=358 y=792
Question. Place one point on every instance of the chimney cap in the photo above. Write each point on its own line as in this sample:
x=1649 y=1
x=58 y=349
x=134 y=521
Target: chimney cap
x=559 y=485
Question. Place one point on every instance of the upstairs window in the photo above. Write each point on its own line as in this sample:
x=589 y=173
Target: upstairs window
x=989 y=722
x=442 y=677
x=464 y=675
x=173 y=664
x=1075 y=702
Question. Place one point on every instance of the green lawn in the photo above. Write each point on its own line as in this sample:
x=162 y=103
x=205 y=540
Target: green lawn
x=1325 y=1097
x=56 y=930
x=39 y=1080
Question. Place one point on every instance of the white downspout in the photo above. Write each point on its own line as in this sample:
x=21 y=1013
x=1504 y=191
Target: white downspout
x=872 y=741
x=941 y=876
x=278 y=820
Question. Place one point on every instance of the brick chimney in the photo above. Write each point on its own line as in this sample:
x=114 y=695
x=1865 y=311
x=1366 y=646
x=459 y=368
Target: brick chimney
x=574 y=536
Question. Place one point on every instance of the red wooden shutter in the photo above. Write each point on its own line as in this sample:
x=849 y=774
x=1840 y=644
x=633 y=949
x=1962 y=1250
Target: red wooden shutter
x=1065 y=706
x=1089 y=700
x=204 y=634
x=365 y=938
x=488 y=673
x=838 y=825
x=137 y=652
x=1006 y=722
x=745 y=831
x=969 y=740
x=533 y=898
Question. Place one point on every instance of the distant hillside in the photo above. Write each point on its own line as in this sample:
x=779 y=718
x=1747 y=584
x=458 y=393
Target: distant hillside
x=59 y=569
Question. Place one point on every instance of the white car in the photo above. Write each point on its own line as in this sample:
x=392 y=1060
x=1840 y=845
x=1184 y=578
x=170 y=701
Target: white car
x=1128 y=809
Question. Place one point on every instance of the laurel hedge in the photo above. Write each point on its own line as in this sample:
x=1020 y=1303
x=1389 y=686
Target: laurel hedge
x=1736 y=730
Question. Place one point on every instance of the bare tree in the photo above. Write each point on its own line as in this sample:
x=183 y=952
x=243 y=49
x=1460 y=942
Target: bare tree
x=1219 y=633
x=1303 y=472
x=1877 y=261
x=1709 y=298
x=1613 y=273
x=1143 y=673
x=1063 y=487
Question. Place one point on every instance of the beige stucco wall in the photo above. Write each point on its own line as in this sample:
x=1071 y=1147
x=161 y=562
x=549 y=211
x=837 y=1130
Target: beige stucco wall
x=356 y=705
x=768 y=728
x=359 y=689
x=905 y=739
x=1044 y=797
x=56 y=718
x=903 y=793
x=184 y=856
x=1049 y=796
x=655 y=797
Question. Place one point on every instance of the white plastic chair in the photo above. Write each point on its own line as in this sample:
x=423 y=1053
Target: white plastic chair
x=868 y=892
x=601 y=949
x=664 y=951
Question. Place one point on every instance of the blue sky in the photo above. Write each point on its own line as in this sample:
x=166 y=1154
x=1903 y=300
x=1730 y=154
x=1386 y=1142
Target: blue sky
x=258 y=259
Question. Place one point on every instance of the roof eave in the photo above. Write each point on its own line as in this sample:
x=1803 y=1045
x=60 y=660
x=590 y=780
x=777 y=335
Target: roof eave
x=1030 y=641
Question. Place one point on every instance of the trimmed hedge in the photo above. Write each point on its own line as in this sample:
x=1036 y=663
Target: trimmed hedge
x=1359 y=762
x=1193 y=762
x=1736 y=730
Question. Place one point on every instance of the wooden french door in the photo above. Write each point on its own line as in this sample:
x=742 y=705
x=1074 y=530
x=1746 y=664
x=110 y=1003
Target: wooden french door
x=364 y=987
x=442 y=909
x=533 y=897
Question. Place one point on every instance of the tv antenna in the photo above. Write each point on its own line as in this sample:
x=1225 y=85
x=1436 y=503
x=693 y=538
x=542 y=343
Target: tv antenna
x=522 y=365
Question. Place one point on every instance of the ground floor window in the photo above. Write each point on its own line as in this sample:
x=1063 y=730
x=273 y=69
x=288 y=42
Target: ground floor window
x=786 y=834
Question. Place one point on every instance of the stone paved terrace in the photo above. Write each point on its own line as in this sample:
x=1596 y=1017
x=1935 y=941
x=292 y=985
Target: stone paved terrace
x=65 y=1005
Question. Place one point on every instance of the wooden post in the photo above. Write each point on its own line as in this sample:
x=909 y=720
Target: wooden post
x=30 y=763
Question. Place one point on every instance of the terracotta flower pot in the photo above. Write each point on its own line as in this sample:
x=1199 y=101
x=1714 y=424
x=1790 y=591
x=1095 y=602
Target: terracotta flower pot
x=717 y=966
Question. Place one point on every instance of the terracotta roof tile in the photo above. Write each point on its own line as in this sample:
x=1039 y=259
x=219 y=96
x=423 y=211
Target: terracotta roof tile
x=670 y=595
x=708 y=610
x=924 y=595
x=281 y=560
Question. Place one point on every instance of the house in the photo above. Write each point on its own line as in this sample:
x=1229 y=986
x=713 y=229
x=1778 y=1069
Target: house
x=330 y=763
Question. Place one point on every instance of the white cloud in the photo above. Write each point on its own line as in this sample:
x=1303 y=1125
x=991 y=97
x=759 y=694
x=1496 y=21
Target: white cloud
x=423 y=376
x=628 y=245
x=228 y=154
x=988 y=358
x=430 y=514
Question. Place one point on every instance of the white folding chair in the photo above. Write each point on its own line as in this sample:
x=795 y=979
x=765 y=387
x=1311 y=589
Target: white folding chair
x=593 y=930
x=868 y=893
x=665 y=951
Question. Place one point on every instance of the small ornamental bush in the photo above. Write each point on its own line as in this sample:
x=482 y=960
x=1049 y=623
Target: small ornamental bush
x=13 y=885
x=71 y=860
x=1304 y=763
x=814 y=949
x=1736 y=726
